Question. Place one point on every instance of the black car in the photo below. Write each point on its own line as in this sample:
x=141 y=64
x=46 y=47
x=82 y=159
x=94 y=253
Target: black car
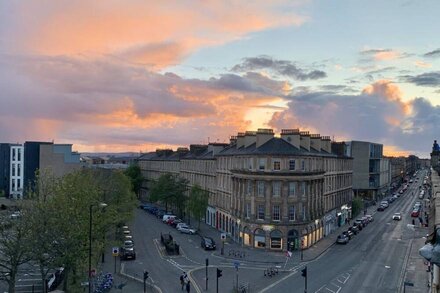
x=381 y=208
x=208 y=243
x=128 y=253
x=349 y=234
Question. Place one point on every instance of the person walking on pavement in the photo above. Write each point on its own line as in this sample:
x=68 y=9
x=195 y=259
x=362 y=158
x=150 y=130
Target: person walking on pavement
x=188 y=286
x=182 y=280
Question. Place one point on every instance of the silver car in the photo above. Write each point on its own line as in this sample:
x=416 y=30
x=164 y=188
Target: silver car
x=187 y=230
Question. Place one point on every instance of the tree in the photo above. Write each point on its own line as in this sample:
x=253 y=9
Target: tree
x=356 y=205
x=169 y=189
x=134 y=173
x=198 y=202
x=14 y=249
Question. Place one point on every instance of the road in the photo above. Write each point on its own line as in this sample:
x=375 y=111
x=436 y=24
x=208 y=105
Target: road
x=373 y=261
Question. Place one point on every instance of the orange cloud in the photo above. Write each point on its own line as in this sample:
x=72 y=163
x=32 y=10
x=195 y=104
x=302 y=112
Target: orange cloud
x=142 y=31
x=422 y=64
x=394 y=151
x=387 y=55
x=390 y=91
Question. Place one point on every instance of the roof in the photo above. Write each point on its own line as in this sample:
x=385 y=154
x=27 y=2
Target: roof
x=275 y=146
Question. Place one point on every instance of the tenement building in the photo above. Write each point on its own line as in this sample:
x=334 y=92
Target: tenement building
x=267 y=192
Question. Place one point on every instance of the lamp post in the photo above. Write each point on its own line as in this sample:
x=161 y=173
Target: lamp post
x=101 y=205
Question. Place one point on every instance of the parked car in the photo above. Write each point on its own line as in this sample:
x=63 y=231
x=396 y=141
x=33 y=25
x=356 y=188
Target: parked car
x=128 y=244
x=415 y=213
x=365 y=221
x=401 y=191
x=359 y=222
x=354 y=229
x=384 y=203
x=342 y=239
x=397 y=216
x=160 y=213
x=349 y=234
x=128 y=253
x=391 y=200
x=180 y=225
x=167 y=216
x=208 y=243
x=381 y=208
x=187 y=230
x=15 y=215
x=370 y=218
x=176 y=221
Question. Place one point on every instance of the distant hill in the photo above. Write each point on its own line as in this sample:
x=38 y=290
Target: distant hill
x=115 y=155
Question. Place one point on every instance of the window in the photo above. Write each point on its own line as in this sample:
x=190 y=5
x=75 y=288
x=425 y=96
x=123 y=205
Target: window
x=262 y=164
x=19 y=154
x=250 y=163
x=276 y=213
x=13 y=154
x=276 y=164
x=13 y=184
x=292 y=165
x=303 y=165
x=292 y=213
x=260 y=188
x=292 y=187
x=18 y=184
x=304 y=213
x=260 y=212
x=18 y=170
x=249 y=187
x=276 y=186
x=248 y=211
x=13 y=169
x=303 y=189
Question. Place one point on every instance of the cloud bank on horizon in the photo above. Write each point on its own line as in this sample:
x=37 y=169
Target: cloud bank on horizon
x=117 y=77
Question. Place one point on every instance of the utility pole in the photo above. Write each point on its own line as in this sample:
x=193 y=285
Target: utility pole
x=145 y=281
x=219 y=274
x=207 y=264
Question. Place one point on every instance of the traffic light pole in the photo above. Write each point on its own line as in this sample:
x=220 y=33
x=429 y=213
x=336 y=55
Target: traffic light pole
x=217 y=285
x=207 y=264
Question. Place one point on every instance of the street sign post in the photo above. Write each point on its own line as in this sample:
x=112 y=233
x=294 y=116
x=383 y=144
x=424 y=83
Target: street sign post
x=115 y=253
x=236 y=265
x=207 y=264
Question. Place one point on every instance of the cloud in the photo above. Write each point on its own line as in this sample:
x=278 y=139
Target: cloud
x=156 y=33
x=377 y=114
x=383 y=54
x=97 y=101
x=281 y=67
x=422 y=64
x=431 y=79
x=433 y=54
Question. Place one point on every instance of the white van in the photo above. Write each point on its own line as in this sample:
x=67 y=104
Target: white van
x=421 y=194
x=166 y=217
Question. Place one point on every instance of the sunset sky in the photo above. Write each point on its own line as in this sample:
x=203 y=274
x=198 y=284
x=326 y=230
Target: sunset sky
x=135 y=75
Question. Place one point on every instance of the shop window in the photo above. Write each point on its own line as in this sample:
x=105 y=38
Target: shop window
x=260 y=238
x=276 y=239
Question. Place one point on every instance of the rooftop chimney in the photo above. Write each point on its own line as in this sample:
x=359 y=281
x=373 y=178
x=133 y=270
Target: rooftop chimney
x=240 y=140
x=250 y=137
x=215 y=148
x=232 y=140
x=326 y=144
x=315 y=142
x=305 y=140
x=263 y=136
x=291 y=136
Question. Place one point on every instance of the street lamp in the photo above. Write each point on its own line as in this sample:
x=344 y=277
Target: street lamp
x=101 y=205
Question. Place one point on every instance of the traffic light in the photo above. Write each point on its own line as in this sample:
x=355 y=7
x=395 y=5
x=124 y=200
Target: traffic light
x=145 y=275
x=219 y=273
x=302 y=243
x=304 y=272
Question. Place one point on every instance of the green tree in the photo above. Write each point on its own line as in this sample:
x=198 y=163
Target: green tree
x=169 y=189
x=198 y=202
x=357 y=205
x=134 y=173
x=14 y=249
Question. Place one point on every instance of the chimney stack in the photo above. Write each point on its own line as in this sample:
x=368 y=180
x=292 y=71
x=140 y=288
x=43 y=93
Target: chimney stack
x=250 y=137
x=263 y=136
x=315 y=142
x=291 y=136
x=326 y=144
x=240 y=140
x=305 y=140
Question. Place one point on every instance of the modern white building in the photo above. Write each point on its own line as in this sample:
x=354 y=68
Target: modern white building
x=17 y=171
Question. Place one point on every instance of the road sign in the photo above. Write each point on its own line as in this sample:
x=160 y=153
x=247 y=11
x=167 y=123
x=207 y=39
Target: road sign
x=236 y=264
x=223 y=236
x=115 y=251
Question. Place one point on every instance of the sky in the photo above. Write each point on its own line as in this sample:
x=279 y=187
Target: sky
x=136 y=75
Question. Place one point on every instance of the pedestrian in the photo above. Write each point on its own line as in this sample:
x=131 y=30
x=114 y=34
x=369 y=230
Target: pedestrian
x=188 y=287
x=182 y=280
